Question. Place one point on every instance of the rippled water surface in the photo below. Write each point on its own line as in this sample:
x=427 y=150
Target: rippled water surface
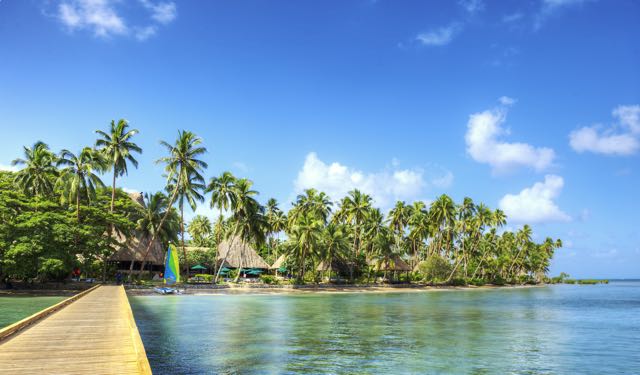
x=564 y=329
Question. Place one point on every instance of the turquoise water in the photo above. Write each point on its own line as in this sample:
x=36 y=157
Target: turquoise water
x=13 y=309
x=563 y=329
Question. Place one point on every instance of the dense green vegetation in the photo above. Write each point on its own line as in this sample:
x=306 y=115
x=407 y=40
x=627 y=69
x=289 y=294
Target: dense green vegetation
x=57 y=214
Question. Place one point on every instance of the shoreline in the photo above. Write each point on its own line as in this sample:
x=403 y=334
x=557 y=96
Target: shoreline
x=320 y=289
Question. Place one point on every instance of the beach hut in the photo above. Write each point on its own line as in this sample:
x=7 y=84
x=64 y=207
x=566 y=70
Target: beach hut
x=392 y=264
x=233 y=252
x=133 y=247
x=337 y=268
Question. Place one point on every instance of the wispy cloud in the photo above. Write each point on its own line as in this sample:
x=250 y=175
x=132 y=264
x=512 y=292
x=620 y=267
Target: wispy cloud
x=484 y=143
x=621 y=138
x=551 y=7
x=512 y=17
x=102 y=18
x=440 y=36
x=162 y=12
x=471 y=6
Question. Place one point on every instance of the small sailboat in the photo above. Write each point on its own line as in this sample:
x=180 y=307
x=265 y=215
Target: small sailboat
x=171 y=272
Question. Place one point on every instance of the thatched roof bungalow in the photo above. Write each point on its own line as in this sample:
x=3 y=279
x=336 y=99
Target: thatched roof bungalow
x=394 y=263
x=336 y=266
x=279 y=263
x=132 y=249
x=232 y=251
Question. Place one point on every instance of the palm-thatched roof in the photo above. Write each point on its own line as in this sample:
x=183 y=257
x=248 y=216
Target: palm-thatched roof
x=394 y=263
x=133 y=247
x=336 y=266
x=232 y=250
x=279 y=262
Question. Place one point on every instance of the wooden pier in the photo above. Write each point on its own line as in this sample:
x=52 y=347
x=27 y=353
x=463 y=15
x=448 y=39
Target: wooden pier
x=95 y=334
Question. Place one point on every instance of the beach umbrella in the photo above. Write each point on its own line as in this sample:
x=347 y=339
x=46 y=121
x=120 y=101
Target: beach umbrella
x=198 y=267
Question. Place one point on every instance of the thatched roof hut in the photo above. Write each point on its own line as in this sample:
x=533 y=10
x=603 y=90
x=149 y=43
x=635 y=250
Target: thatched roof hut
x=133 y=249
x=336 y=266
x=279 y=262
x=395 y=263
x=230 y=251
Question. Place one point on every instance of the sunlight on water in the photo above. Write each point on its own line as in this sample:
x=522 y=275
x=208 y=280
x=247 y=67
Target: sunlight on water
x=549 y=330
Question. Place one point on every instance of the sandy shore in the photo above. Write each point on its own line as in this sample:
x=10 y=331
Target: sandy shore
x=322 y=289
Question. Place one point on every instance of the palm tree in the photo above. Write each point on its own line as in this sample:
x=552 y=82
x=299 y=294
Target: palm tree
x=419 y=228
x=188 y=190
x=442 y=214
x=356 y=206
x=335 y=244
x=118 y=150
x=305 y=237
x=276 y=220
x=181 y=165
x=158 y=220
x=311 y=202
x=200 y=229
x=399 y=218
x=222 y=192
x=78 y=179
x=37 y=178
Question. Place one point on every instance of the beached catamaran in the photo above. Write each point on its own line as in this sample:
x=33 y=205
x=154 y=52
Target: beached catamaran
x=171 y=271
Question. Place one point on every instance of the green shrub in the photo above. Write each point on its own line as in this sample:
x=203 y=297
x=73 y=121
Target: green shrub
x=435 y=269
x=476 y=282
x=268 y=279
x=202 y=277
x=457 y=281
x=570 y=281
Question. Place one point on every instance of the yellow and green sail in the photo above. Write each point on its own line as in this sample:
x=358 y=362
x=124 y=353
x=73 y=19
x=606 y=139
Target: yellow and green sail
x=171 y=266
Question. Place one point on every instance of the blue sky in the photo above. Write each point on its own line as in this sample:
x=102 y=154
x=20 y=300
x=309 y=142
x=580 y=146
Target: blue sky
x=532 y=106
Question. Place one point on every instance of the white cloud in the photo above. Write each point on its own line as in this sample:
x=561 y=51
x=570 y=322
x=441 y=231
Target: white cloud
x=484 y=145
x=98 y=16
x=385 y=186
x=162 y=12
x=622 y=138
x=535 y=204
x=471 y=6
x=102 y=18
x=8 y=168
x=439 y=37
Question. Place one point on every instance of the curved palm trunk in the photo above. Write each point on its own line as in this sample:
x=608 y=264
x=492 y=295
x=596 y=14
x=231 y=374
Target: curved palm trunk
x=113 y=199
x=215 y=281
x=155 y=233
x=240 y=265
x=184 y=249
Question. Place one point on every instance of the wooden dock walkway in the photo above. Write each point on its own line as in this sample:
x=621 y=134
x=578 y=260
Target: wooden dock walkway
x=94 y=335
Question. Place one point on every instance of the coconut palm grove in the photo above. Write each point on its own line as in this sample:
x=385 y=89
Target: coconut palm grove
x=319 y=187
x=59 y=214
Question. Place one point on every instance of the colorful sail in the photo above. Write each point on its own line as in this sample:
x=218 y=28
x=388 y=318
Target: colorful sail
x=171 y=266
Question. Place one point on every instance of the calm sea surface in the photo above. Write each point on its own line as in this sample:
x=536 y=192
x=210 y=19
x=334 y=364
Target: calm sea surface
x=563 y=329
x=13 y=309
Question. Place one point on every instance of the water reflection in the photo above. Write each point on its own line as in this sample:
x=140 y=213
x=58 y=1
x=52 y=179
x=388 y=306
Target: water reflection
x=541 y=330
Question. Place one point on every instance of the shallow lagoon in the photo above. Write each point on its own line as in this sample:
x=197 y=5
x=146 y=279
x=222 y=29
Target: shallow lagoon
x=15 y=308
x=563 y=329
